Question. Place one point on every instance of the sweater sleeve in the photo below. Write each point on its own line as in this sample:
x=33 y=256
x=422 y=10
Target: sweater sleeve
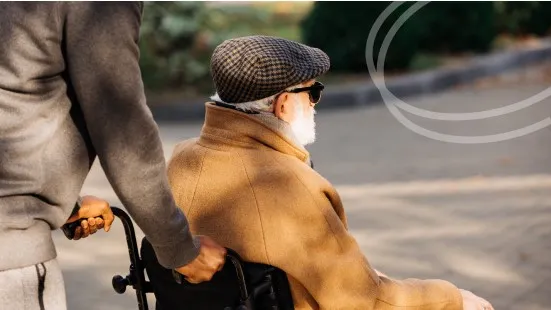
x=102 y=58
x=316 y=250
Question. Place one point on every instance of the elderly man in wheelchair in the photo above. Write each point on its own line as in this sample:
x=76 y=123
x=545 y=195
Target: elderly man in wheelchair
x=248 y=182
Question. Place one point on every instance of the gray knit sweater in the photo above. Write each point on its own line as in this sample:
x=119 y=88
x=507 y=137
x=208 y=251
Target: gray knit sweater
x=71 y=90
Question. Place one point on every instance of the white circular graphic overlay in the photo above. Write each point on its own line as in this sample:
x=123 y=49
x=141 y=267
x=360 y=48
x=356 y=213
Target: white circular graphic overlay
x=394 y=104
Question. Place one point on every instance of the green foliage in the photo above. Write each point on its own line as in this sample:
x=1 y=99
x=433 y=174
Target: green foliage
x=341 y=29
x=522 y=18
x=424 y=61
x=169 y=53
x=540 y=22
x=457 y=26
x=178 y=38
x=235 y=21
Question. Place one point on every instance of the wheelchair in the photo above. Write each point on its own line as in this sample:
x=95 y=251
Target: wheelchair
x=239 y=285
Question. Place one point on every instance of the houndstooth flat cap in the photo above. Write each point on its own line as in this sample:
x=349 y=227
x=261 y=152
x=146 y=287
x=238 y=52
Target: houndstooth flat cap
x=250 y=68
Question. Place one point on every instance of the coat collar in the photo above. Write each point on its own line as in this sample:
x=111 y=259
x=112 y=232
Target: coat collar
x=226 y=128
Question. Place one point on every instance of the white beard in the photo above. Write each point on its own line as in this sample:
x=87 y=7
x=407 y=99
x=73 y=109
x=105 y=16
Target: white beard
x=304 y=126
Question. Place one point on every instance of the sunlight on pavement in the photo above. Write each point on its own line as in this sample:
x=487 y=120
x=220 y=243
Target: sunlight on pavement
x=447 y=186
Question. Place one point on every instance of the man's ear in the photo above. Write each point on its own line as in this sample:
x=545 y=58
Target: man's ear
x=282 y=108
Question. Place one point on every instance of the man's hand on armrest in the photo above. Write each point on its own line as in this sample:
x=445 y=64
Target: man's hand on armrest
x=210 y=260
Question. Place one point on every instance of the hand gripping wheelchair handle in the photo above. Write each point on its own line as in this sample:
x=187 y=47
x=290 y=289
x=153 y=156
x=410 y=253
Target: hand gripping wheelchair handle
x=136 y=276
x=69 y=229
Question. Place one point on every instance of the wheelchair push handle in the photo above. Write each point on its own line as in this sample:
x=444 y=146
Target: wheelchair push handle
x=69 y=229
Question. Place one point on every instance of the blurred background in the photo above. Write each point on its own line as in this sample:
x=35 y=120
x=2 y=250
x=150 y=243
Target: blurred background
x=178 y=38
x=478 y=215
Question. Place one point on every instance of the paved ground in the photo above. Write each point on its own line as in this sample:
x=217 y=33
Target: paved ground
x=477 y=215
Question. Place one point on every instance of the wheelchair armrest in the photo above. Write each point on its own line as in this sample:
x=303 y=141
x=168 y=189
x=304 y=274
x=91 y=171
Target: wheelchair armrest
x=237 y=263
x=262 y=288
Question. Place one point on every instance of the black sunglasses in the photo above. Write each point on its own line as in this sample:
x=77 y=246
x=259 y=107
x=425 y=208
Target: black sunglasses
x=314 y=91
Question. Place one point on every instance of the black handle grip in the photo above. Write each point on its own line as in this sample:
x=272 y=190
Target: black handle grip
x=70 y=228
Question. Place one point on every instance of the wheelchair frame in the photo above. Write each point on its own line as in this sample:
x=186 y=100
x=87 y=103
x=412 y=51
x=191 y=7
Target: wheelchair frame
x=136 y=276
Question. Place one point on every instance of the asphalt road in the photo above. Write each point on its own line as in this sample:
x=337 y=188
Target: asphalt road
x=477 y=215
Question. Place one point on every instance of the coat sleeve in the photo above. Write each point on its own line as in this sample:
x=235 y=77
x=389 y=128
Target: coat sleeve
x=312 y=245
x=101 y=52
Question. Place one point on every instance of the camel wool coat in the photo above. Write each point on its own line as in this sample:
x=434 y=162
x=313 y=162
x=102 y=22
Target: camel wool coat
x=250 y=188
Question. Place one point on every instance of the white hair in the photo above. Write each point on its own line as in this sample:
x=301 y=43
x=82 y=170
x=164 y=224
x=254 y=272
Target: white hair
x=260 y=105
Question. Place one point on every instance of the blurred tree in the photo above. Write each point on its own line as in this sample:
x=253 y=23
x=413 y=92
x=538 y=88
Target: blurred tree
x=178 y=38
x=170 y=55
x=457 y=26
x=523 y=18
x=341 y=29
x=540 y=21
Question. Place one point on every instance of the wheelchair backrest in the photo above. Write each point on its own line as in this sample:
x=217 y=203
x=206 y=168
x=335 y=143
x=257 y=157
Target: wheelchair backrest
x=266 y=287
